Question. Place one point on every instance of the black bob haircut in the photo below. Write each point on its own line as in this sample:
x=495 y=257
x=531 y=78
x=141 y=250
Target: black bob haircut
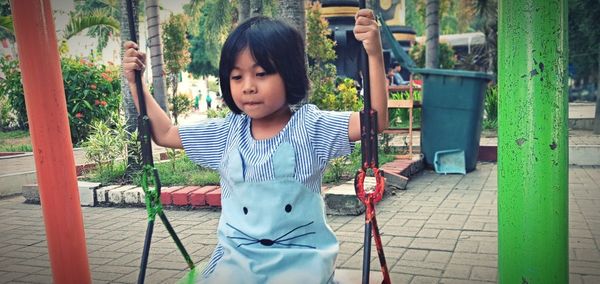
x=277 y=48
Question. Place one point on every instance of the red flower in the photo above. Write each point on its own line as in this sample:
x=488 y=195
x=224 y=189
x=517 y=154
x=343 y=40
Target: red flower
x=103 y=103
x=96 y=102
x=93 y=86
x=106 y=77
x=79 y=115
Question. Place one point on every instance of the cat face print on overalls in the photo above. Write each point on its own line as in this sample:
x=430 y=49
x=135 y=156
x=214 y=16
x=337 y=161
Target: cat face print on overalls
x=273 y=231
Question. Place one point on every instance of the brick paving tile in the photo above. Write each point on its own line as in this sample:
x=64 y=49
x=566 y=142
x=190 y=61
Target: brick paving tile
x=441 y=229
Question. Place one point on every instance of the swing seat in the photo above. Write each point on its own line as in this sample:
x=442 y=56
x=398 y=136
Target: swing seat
x=192 y=275
x=450 y=162
x=354 y=276
x=342 y=276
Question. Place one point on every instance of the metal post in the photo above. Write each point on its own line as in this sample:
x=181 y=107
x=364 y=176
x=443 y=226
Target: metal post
x=51 y=139
x=532 y=142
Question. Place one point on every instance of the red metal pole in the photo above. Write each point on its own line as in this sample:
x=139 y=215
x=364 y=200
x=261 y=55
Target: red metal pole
x=51 y=139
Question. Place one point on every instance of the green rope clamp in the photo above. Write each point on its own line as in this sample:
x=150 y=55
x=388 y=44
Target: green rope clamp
x=152 y=196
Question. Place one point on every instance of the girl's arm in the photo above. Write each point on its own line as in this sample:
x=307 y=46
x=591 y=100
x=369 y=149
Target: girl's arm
x=366 y=30
x=164 y=133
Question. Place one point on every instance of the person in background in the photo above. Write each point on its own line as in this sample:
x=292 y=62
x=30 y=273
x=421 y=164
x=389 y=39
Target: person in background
x=208 y=101
x=398 y=80
x=196 y=102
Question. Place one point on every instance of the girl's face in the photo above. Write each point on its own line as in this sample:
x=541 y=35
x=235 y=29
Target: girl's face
x=258 y=94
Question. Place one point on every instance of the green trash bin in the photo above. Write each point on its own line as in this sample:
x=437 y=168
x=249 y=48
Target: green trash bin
x=452 y=112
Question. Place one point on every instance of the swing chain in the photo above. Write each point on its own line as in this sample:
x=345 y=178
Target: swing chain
x=152 y=196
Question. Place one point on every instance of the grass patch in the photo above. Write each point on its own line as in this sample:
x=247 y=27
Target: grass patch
x=399 y=118
x=15 y=141
x=180 y=171
x=106 y=175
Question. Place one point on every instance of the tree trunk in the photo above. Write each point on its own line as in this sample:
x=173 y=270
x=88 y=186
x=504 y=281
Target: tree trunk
x=174 y=83
x=256 y=8
x=131 y=114
x=156 y=58
x=597 y=115
x=433 y=34
x=243 y=10
x=293 y=13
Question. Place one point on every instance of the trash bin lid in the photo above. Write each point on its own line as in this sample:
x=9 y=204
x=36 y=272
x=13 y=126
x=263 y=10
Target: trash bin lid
x=457 y=73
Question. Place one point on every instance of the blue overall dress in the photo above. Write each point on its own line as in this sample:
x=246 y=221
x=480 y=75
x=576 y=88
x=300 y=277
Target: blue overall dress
x=273 y=231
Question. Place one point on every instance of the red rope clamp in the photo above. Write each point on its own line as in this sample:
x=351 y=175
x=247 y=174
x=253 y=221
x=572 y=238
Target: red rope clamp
x=369 y=199
x=371 y=196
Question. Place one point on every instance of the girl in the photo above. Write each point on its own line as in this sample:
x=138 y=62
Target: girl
x=271 y=160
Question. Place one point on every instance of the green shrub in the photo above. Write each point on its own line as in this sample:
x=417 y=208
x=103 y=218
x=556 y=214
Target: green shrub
x=320 y=52
x=92 y=91
x=105 y=144
x=399 y=117
x=491 y=103
x=12 y=109
x=180 y=104
x=218 y=113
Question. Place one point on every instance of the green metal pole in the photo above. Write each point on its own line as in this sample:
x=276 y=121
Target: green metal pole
x=532 y=142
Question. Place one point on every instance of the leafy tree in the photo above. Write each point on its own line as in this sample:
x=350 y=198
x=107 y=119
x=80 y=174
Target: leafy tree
x=486 y=12
x=176 y=46
x=584 y=46
x=208 y=34
x=446 y=56
x=416 y=14
x=6 y=24
x=584 y=38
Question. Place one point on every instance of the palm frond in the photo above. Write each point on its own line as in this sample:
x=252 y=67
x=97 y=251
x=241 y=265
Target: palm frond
x=6 y=26
x=98 y=18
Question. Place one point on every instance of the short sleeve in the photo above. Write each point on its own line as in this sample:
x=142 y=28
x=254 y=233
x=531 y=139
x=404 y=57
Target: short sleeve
x=328 y=132
x=205 y=142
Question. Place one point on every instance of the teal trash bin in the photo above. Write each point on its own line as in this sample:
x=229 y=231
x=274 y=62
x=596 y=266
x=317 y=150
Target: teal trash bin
x=452 y=112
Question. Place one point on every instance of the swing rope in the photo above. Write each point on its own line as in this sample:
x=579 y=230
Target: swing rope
x=370 y=160
x=149 y=172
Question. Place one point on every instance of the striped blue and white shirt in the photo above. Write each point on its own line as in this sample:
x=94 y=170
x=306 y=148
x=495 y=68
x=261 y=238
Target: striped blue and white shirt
x=316 y=135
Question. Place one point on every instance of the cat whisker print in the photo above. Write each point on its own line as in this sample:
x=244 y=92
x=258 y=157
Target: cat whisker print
x=269 y=242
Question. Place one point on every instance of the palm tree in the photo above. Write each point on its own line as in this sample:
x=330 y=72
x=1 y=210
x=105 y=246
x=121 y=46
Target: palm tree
x=243 y=10
x=433 y=34
x=101 y=11
x=256 y=7
x=131 y=113
x=97 y=19
x=6 y=27
x=156 y=58
x=293 y=13
x=103 y=19
x=487 y=13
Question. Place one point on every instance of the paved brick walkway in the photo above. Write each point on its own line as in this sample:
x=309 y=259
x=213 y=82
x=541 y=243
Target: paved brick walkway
x=442 y=229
